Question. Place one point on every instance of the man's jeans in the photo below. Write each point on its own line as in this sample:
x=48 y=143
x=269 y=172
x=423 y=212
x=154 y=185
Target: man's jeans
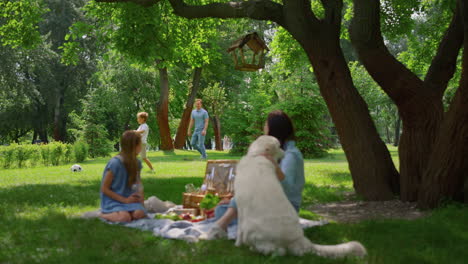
x=198 y=143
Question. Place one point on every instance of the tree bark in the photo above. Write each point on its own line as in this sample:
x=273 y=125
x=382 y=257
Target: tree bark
x=217 y=132
x=162 y=112
x=34 y=138
x=372 y=169
x=397 y=131
x=446 y=175
x=419 y=104
x=58 y=117
x=186 y=115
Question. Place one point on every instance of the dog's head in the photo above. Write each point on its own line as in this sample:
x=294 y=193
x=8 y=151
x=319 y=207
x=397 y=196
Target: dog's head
x=266 y=145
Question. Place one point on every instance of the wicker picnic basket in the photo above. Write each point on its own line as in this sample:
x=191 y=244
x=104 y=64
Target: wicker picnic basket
x=217 y=174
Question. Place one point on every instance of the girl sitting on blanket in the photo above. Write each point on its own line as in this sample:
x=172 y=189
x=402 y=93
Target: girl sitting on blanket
x=121 y=192
x=290 y=171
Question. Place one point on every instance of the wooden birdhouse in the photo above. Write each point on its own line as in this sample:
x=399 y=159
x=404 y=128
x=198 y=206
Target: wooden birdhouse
x=252 y=57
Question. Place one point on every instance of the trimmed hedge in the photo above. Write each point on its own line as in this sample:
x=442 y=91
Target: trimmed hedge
x=30 y=155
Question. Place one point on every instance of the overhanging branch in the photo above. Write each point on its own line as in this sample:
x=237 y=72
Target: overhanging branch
x=255 y=9
x=333 y=10
x=394 y=78
x=443 y=65
x=145 y=3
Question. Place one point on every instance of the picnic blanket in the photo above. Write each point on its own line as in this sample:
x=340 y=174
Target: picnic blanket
x=185 y=230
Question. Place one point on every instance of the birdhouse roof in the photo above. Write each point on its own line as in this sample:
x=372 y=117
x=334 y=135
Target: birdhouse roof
x=253 y=40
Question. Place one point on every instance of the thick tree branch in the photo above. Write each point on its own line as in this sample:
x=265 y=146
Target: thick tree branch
x=443 y=65
x=145 y=3
x=395 y=79
x=255 y=9
x=333 y=10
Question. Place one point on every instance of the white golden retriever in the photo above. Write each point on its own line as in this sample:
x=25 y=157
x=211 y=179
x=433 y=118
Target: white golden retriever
x=268 y=223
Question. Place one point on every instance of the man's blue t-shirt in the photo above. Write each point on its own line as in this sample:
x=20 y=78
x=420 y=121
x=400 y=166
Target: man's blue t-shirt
x=199 y=116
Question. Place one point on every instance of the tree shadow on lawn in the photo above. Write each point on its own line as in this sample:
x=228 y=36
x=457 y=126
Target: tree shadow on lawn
x=336 y=191
x=55 y=239
x=428 y=240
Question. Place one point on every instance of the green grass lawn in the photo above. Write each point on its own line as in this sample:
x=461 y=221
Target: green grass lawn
x=38 y=224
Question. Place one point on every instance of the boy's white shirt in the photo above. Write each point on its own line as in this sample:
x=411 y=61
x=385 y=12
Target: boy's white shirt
x=144 y=127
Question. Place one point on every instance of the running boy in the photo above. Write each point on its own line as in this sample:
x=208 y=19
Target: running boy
x=143 y=131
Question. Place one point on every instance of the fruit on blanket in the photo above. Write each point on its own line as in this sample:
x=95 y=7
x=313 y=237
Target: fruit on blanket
x=171 y=216
x=197 y=219
x=186 y=216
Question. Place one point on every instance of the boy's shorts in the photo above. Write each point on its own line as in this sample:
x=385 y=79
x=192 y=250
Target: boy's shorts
x=143 y=151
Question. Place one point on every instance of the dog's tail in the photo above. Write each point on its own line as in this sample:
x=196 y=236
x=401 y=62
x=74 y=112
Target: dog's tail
x=352 y=248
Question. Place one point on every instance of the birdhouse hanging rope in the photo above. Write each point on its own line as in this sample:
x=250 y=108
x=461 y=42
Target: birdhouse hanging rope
x=251 y=59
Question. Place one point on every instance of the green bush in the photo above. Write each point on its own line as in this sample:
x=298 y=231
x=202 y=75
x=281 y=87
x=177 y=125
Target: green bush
x=22 y=154
x=309 y=116
x=45 y=154
x=80 y=149
x=68 y=153
x=56 y=152
x=35 y=157
x=7 y=156
x=97 y=139
x=30 y=155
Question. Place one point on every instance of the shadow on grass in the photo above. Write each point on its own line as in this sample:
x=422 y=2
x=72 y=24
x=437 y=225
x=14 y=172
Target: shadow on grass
x=322 y=194
x=436 y=239
x=57 y=239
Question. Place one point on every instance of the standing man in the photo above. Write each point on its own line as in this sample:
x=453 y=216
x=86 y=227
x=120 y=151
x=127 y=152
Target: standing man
x=200 y=118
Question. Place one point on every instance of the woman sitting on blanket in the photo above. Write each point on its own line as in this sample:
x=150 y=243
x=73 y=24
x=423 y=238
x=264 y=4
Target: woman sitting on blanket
x=290 y=171
x=119 y=201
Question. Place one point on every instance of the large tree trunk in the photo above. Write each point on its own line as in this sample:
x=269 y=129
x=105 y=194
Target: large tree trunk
x=419 y=102
x=58 y=136
x=448 y=163
x=374 y=174
x=447 y=168
x=217 y=132
x=396 y=142
x=162 y=112
x=185 y=119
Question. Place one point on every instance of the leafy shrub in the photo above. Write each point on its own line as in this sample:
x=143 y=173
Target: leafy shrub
x=35 y=156
x=68 y=153
x=313 y=136
x=22 y=154
x=45 y=154
x=80 y=149
x=7 y=155
x=56 y=153
x=53 y=153
x=97 y=139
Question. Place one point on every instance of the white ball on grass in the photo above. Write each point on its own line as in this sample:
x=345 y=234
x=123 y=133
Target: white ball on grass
x=76 y=168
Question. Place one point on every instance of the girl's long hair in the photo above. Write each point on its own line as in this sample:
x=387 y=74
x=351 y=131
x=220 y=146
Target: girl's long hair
x=280 y=126
x=129 y=141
